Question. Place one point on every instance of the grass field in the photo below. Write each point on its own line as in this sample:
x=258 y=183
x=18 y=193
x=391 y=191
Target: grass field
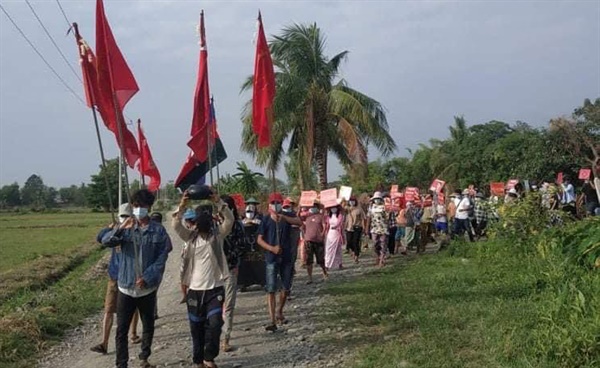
x=25 y=237
x=43 y=259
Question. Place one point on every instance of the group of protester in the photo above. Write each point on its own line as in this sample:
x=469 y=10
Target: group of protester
x=216 y=238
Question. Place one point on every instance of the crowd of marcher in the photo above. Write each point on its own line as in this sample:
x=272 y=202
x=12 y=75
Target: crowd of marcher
x=216 y=240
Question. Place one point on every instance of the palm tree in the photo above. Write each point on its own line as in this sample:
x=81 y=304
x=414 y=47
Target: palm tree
x=315 y=111
x=247 y=182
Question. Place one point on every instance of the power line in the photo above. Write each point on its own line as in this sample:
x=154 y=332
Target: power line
x=53 y=42
x=63 y=13
x=41 y=56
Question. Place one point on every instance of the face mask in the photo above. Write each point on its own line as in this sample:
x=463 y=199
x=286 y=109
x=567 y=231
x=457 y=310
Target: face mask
x=275 y=207
x=378 y=201
x=334 y=210
x=249 y=215
x=140 y=212
x=287 y=209
x=122 y=219
x=314 y=210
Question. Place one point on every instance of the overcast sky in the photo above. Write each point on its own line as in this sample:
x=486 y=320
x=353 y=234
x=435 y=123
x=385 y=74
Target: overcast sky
x=425 y=61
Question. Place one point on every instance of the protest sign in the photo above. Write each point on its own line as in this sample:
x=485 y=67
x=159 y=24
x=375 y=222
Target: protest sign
x=559 y=178
x=393 y=190
x=329 y=197
x=437 y=185
x=512 y=183
x=411 y=194
x=345 y=192
x=307 y=198
x=584 y=174
x=497 y=188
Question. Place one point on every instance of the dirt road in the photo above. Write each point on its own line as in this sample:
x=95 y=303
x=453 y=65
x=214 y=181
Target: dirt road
x=292 y=346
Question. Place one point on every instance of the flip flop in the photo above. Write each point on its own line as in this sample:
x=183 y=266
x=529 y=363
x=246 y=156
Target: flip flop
x=98 y=349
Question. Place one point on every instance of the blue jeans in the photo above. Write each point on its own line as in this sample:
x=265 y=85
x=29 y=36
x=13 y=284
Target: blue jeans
x=278 y=276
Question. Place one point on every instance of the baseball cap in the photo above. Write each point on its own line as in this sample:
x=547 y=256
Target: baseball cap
x=125 y=210
x=275 y=197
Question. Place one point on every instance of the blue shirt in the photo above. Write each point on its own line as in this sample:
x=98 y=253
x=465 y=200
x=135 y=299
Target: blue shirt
x=113 y=263
x=268 y=230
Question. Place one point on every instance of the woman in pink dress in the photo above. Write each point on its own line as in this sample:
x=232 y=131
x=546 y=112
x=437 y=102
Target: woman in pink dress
x=334 y=240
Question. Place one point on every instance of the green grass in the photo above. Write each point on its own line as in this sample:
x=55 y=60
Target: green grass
x=24 y=238
x=476 y=305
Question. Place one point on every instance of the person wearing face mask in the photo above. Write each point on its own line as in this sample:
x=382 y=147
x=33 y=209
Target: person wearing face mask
x=355 y=223
x=110 y=300
x=378 y=221
x=334 y=240
x=274 y=236
x=314 y=230
x=288 y=209
x=145 y=246
x=205 y=271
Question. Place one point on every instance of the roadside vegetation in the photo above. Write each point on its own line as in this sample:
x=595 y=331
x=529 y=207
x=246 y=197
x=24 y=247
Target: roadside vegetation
x=527 y=297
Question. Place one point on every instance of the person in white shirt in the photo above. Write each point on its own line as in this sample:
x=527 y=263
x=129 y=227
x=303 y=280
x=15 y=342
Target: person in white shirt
x=204 y=272
x=568 y=196
x=461 y=219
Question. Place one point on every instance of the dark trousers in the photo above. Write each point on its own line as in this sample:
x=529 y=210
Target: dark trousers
x=353 y=240
x=205 y=312
x=126 y=306
x=460 y=226
x=392 y=239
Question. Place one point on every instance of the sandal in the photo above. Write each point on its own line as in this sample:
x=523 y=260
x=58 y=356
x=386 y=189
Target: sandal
x=98 y=349
x=135 y=339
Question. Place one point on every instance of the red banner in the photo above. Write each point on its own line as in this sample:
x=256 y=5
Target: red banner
x=411 y=194
x=584 y=174
x=437 y=185
x=329 y=197
x=307 y=198
x=497 y=188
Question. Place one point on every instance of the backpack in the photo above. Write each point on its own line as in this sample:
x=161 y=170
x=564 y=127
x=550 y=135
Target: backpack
x=234 y=245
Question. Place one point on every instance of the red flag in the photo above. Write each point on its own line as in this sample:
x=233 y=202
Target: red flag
x=201 y=115
x=102 y=99
x=116 y=85
x=113 y=71
x=263 y=89
x=146 y=164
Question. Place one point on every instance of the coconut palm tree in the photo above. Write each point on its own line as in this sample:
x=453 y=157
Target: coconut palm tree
x=247 y=182
x=315 y=111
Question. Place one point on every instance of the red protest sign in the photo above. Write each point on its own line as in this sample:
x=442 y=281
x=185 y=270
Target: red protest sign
x=497 y=188
x=238 y=199
x=307 y=198
x=559 y=178
x=411 y=194
x=394 y=189
x=437 y=185
x=397 y=201
x=512 y=183
x=584 y=174
x=388 y=203
x=329 y=197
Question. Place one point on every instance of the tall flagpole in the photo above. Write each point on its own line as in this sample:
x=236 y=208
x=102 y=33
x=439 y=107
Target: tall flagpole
x=213 y=114
x=208 y=134
x=141 y=164
x=111 y=206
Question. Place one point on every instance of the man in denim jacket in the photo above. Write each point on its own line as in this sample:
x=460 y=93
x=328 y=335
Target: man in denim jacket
x=145 y=246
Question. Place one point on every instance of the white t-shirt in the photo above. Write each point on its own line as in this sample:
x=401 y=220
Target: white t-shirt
x=205 y=275
x=464 y=205
x=441 y=210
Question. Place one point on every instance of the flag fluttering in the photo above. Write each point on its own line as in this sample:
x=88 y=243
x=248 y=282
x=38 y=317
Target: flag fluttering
x=102 y=99
x=146 y=164
x=207 y=149
x=115 y=86
x=201 y=114
x=263 y=89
